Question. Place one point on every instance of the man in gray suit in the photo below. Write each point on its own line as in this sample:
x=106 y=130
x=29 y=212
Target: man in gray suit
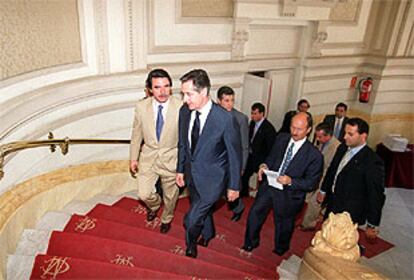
x=225 y=98
x=327 y=146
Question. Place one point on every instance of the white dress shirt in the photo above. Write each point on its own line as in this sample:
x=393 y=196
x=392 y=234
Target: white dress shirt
x=296 y=147
x=155 y=105
x=203 y=117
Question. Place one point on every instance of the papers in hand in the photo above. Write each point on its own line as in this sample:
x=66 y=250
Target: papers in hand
x=272 y=179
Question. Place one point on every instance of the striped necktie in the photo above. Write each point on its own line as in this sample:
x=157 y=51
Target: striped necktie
x=287 y=159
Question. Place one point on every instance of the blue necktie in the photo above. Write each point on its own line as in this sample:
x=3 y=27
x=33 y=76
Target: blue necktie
x=160 y=122
x=195 y=132
x=287 y=160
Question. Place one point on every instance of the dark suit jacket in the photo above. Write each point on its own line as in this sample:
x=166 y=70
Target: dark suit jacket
x=305 y=169
x=262 y=142
x=215 y=164
x=330 y=119
x=243 y=122
x=359 y=187
x=286 y=121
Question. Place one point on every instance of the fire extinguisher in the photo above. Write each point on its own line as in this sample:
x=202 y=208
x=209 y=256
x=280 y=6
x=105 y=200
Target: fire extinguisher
x=364 y=89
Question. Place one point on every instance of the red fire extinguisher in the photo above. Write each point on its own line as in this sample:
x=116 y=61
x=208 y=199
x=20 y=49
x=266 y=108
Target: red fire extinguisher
x=364 y=89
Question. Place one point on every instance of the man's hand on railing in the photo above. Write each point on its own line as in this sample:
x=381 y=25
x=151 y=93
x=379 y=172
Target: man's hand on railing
x=133 y=168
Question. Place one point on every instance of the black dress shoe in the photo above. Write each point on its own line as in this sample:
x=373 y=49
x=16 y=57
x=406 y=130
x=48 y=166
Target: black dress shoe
x=203 y=242
x=280 y=252
x=165 y=227
x=236 y=217
x=191 y=252
x=151 y=215
x=249 y=248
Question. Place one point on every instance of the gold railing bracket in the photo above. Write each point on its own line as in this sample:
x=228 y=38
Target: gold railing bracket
x=52 y=146
x=64 y=147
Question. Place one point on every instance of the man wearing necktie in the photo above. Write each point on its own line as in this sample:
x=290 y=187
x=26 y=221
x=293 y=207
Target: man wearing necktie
x=153 y=150
x=338 y=121
x=354 y=182
x=209 y=160
x=327 y=145
x=299 y=164
x=262 y=135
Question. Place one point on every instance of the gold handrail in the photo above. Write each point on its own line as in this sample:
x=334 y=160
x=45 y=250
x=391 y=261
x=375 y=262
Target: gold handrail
x=12 y=147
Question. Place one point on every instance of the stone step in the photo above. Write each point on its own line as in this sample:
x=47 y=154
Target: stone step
x=33 y=242
x=53 y=220
x=19 y=267
x=289 y=269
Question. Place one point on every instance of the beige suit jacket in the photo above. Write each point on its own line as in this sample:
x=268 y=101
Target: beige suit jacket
x=163 y=153
x=328 y=154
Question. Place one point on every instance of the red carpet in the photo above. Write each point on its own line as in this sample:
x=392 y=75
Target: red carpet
x=55 y=267
x=166 y=243
x=117 y=242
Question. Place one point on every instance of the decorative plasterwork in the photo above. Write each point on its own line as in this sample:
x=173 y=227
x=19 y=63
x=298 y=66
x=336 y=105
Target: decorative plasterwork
x=239 y=39
x=129 y=35
x=156 y=49
x=206 y=8
x=101 y=36
x=289 y=7
x=346 y=11
x=196 y=18
x=135 y=34
x=36 y=35
x=318 y=41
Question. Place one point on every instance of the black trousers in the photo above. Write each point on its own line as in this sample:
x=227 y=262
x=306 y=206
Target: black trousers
x=285 y=204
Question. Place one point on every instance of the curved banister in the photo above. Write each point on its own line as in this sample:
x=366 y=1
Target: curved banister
x=64 y=143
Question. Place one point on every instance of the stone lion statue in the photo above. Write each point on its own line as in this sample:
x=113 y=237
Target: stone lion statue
x=338 y=237
x=334 y=252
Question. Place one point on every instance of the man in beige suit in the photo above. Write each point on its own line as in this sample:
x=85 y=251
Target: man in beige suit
x=327 y=145
x=153 y=150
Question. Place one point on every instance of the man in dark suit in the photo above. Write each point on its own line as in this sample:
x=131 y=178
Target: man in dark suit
x=302 y=106
x=225 y=98
x=299 y=165
x=261 y=138
x=354 y=181
x=208 y=157
x=338 y=121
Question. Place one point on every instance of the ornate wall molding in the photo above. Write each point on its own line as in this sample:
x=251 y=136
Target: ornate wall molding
x=290 y=7
x=129 y=34
x=345 y=12
x=136 y=34
x=239 y=38
x=153 y=48
x=402 y=20
x=101 y=36
x=206 y=8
